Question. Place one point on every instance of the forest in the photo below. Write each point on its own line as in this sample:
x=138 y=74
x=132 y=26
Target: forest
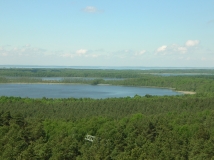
x=139 y=127
x=66 y=72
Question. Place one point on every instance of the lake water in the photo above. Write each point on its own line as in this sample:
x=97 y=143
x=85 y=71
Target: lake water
x=77 y=78
x=78 y=91
x=67 y=78
x=181 y=74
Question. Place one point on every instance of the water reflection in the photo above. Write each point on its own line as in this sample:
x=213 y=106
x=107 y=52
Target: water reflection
x=78 y=91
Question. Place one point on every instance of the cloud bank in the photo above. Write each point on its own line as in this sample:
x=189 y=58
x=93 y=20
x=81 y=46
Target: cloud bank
x=188 y=54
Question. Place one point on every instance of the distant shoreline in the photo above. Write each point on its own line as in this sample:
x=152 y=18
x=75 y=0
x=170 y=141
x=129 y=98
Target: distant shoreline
x=99 y=67
x=41 y=83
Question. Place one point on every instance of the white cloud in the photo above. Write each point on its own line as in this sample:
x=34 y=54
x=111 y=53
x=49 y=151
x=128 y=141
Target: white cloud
x=173 y=49
x=23 y=51
x=91 y=9
x=191 y=43
x=81 y=52
x=94 y=55
x=162 y=48
x=3 y=54
x=27 y=45
x=182 y=49
x=67 y=55
x=140 y=53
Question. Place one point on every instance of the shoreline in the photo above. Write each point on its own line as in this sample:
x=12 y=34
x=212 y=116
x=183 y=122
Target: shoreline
x=186 y=92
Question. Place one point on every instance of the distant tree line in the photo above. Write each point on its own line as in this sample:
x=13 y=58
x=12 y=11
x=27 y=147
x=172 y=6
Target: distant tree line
x=99 y=73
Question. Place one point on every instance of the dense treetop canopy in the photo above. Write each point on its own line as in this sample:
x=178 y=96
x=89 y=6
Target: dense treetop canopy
x=150 y=127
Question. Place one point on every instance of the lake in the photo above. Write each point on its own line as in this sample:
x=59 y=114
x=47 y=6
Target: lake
x=182 y=74
x=77 y=78
x=59 y=79
x=78 y=91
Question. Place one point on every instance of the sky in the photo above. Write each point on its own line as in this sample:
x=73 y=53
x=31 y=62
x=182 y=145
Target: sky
x=148 y=33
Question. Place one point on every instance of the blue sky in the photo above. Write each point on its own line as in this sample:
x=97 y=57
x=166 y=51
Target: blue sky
x=162 y=33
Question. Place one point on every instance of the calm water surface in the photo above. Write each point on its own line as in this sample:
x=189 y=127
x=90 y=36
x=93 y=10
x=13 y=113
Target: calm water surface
x=182 y=74
x=77 y=78
x=67 y=78
x=78 y=91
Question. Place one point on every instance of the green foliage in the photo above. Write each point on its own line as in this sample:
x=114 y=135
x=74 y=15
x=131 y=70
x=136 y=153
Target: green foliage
x=43 y=72
x=75 y=109
x=197 y=84
x=150 y=127
x=97 y=81
x=169 y=127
